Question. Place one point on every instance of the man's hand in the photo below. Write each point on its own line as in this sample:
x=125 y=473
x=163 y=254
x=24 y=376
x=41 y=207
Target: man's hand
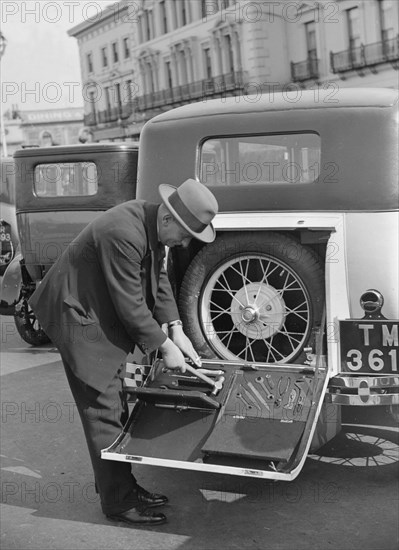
x=184 y=344
x=172 y=356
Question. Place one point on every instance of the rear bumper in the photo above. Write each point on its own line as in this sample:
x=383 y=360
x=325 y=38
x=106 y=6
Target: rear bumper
x=363 y=390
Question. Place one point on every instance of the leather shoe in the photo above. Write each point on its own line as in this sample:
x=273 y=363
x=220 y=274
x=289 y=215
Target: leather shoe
x=137 y=516
x=150 y=500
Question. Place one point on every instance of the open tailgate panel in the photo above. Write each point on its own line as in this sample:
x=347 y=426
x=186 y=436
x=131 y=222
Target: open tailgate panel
x=259 y=424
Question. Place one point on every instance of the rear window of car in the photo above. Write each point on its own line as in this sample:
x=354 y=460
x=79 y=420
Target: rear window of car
x=67 y=179
x=292 y=158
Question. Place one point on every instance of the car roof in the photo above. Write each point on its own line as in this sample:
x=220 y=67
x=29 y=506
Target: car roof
x=77 y=148
x=320 y=98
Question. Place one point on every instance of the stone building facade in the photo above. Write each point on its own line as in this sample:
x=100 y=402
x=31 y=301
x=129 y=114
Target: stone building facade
x=142 y=57
x=42 y=127
x=47 y=127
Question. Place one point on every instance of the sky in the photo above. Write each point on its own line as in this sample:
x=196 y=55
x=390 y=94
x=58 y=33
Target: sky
x=40 y=65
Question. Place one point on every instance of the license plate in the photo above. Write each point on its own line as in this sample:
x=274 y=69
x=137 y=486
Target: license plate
x=369 y=346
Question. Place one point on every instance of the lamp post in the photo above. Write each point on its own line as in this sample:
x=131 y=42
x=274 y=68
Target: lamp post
x=3 y=43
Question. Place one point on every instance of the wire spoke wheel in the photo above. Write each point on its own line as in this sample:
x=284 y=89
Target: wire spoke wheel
x=256 y=306
x=28 y=326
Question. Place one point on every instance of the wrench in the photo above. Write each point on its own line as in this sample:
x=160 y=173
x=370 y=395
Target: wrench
x=199 y=374
x=242 y=399
x=299 y=405
x=211 y=372
x=258 y=395
x=253 y=400
x=216 y=384
x=303 y=393
x=260 y=381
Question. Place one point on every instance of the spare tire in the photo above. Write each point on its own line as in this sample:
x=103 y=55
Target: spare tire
x=254 y=297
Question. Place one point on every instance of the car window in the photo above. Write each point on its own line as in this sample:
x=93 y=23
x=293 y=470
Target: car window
x=67 y=179
x=261 y=159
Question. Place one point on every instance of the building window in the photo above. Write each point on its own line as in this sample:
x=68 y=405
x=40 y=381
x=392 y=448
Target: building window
x=126 y=48
x=164 y=19
x=229 y=53
x=207 y=63
x=115 y=54
x=311 y=45
x=146 y=28
x=168 y=74
x=104 y=57
x=129 y=94
x=140 y=26
x=353 y=28
x=189 y=11
x=90 y=62
x=150 y=85
x=108 y=98
x=354 y=36
x=148 y=25
x=386 y=19
x=92 y=102
x=175 y=19
x=183 y=67
x=118 y=96
x=203 y=9
x=183 y=12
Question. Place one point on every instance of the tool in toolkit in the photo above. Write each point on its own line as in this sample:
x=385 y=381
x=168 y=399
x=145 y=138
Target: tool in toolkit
x=283 y=385
x=291 y=399
x=243 y=400
x=252 y=399
x=217 y=383
x=260 y=380
x=258 y=395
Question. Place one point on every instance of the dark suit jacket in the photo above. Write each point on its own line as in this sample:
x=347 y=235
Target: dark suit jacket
x=107 y=292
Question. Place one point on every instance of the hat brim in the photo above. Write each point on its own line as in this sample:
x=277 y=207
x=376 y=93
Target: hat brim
x=208 y=235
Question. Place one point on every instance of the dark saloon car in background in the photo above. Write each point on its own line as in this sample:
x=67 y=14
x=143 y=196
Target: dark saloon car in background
x=59 y=190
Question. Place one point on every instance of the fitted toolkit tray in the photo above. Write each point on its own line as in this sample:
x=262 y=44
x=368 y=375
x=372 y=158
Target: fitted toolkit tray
x=260 y=423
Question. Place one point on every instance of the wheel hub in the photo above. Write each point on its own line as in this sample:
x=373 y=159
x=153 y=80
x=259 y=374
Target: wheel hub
x=249 y=314
x=257 y=311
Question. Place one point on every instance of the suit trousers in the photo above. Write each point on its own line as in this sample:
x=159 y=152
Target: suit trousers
x=103 y=416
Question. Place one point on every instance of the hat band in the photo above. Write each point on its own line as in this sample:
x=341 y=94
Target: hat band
x=184 y=213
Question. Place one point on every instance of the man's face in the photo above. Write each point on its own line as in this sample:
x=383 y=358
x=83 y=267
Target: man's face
x=171 y=233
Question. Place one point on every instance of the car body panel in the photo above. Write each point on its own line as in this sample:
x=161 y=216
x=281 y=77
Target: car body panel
x=47 y=224
x=8 y=228
x=10 y=286
x=349 y=123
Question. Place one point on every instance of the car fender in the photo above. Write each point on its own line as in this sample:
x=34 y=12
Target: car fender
x=10 y=289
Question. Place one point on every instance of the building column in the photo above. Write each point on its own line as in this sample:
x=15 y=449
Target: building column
x=189 y=60
x=236 y=43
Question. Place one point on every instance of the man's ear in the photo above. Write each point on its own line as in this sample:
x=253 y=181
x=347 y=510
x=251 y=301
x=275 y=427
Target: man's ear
x=167 y=218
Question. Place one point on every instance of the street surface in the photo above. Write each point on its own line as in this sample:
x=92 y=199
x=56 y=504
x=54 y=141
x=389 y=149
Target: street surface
x=345 y=499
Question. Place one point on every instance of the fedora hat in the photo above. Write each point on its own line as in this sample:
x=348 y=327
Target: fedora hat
x=193 y=206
